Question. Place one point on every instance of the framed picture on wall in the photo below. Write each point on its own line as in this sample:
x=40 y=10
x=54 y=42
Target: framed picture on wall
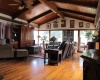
x=63 y=23
x=80 y=24
x=55 y=24
x=72 y=23
x=48 y=26
x=87 y=25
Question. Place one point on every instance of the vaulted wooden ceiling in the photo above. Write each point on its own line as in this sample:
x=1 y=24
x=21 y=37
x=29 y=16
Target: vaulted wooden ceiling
x=43 y=11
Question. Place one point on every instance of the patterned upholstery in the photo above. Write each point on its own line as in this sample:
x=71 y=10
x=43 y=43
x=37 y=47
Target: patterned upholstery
x=6 y=51
x=56 y=45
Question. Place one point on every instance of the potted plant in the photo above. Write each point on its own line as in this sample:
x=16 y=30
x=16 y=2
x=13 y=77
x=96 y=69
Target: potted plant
x=44 y=38
x=75 y=46
x=89 y=35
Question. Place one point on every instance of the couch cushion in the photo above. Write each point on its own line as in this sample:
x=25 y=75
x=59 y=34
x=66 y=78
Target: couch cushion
x=1 y=42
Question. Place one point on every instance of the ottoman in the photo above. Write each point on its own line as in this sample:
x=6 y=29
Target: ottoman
x=21 y=53
x=34 y=49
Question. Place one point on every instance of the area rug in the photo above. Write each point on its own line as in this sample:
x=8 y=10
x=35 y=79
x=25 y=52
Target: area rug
x=39 y=55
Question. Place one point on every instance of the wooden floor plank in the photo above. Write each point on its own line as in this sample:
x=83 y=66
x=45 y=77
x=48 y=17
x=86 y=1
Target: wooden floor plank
x=34 y=69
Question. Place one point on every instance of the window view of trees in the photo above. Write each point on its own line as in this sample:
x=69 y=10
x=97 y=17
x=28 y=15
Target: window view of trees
x=36 y=37
x=86 y=35
x=57 y=34
x=44 y=34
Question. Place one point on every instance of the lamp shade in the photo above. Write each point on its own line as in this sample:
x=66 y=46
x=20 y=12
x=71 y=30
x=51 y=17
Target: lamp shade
x=95 y=33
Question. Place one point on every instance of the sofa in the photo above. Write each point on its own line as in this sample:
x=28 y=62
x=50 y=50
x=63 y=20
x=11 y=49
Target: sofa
x=6 y=51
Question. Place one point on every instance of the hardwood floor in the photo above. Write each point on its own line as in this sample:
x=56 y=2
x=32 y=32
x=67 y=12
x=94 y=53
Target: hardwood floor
x=34 y=69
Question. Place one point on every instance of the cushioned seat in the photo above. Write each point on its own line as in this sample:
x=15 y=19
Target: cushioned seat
x=6 y=51
x=53 y=45
x=33 y=49
x=21 y=53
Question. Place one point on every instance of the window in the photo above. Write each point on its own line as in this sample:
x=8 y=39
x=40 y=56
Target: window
x=36 y=37
x=76 y=36
x=57 y=34
x=43 y=33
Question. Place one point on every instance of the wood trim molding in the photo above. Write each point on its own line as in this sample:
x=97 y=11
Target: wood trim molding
x=79 y=2
x=91 y=21
x=76 y=12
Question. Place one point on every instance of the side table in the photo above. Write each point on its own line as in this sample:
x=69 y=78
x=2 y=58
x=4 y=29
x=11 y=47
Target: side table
x=54 y=56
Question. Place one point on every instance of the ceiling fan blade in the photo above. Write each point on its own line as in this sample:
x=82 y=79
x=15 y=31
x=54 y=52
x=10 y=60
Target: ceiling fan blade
x=12 y=4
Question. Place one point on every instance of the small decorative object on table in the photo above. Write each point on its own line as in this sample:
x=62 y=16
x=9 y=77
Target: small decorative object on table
x=44 y=38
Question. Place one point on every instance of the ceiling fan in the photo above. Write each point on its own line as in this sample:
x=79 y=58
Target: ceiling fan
x=22 y=4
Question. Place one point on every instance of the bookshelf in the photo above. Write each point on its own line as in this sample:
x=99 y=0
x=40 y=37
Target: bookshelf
x=68 y=35
x=14 y=34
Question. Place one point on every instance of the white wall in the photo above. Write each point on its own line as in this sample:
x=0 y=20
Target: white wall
x=43 y=27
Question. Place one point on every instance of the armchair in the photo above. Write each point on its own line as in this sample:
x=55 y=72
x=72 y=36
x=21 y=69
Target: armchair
x=6 y=51
x=54 y=55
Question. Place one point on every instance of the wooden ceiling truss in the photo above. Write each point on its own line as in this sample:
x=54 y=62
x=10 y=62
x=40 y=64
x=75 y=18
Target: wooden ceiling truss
x=61 y=8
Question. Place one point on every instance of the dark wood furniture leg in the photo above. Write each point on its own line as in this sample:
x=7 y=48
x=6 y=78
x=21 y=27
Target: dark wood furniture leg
x=1 y=77
x=44 y=58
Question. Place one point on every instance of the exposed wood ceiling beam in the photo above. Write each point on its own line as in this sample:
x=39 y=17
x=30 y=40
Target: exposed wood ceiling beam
x=47 y=21
x=52 y=6
x=23 y=10
x=91 y=21
x=19 y=13
x=86 y=3
x=41 y=15
x=76 y=12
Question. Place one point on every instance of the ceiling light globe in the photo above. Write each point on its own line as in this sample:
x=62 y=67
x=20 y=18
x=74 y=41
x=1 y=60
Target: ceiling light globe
x=21 y=7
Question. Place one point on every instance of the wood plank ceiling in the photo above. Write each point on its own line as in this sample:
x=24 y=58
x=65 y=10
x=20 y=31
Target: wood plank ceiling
x=43 y=11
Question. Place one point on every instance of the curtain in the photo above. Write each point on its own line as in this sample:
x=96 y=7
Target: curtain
x=7 y=32
x=2 y=31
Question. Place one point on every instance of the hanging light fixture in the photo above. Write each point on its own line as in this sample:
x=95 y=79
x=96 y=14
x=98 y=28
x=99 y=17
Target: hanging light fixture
x=21 y=7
